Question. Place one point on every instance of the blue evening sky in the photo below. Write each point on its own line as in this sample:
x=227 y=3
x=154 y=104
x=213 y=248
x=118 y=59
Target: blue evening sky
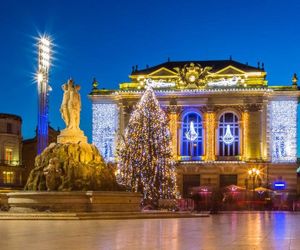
x=103 y=39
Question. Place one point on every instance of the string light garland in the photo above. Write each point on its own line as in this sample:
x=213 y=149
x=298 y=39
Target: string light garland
x=228 y=138
x=105 y=120
x=283 y=129
x=191 y=135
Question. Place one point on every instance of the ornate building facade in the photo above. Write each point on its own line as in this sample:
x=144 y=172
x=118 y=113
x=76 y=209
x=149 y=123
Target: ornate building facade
x=11 y=167
x=224 y=121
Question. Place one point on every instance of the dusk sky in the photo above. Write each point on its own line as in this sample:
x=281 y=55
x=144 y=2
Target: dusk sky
x=103 y=39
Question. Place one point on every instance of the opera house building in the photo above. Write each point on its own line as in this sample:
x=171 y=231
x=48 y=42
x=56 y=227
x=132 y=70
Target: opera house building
x=228 y=126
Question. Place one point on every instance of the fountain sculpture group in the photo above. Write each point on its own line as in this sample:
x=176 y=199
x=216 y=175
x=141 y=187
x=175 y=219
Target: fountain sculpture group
x=71 y=175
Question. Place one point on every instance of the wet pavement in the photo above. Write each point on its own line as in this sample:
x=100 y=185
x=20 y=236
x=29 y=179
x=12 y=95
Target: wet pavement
x=279 y=230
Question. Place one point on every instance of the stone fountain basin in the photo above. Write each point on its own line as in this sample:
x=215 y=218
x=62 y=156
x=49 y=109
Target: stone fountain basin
x=74 y=201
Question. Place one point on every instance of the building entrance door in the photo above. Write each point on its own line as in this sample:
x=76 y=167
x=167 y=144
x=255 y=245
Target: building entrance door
x=189 y=181
x=228 y=179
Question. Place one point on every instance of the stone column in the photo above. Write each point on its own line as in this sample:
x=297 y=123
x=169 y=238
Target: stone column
x=209 y=128
x=245 y=134
x=254 y=138
x=172 y=111
x=264 y=129
x=122 y=114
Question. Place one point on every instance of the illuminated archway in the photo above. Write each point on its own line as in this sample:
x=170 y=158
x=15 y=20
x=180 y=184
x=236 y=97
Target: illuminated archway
x=192 y=135
x=228 y=135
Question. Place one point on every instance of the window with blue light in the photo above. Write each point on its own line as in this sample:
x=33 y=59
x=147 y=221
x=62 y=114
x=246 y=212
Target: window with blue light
x=228 y=135
x=191 y=137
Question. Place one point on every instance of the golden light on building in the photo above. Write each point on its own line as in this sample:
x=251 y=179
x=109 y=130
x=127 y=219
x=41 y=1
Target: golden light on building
x=210 y=136
x=245 y=124
x=173 y=130
x=235 y=118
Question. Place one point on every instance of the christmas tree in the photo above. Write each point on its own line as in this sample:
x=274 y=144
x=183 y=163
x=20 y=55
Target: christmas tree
x=145 y=158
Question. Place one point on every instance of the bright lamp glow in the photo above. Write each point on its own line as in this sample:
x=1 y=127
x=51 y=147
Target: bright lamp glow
x=45 y=41
x=254 y=172
x=39 y=77
x=44 y=53
x=42 y=77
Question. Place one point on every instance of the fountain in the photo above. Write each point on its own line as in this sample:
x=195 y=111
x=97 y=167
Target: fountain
x=71 y=175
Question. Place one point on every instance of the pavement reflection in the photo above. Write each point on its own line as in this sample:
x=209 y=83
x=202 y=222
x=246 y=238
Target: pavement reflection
x=256 y=230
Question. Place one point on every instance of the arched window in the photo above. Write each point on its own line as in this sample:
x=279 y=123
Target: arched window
x=191 y=137
x=228 y=140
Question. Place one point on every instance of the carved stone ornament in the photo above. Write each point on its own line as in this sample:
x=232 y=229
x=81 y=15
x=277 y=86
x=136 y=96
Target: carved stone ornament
x=192 y=75
x=254 y=107
x=173 y=108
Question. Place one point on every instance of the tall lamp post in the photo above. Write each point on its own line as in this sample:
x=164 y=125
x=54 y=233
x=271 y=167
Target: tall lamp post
x=44 y=56
x=253 y=173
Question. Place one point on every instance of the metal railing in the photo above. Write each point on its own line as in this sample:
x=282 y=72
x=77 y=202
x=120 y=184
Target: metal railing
x=12 y=163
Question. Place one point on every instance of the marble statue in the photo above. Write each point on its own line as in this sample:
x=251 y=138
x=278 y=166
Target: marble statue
x=71 y=163
x=70 y=112
x=53 y=174
x=71 y=105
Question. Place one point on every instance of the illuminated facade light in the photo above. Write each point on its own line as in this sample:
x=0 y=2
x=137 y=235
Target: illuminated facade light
x=105 y=125
x=283 y=131
x=229 y=135
x=191 y=135
x=224 y=120
x=228 y=138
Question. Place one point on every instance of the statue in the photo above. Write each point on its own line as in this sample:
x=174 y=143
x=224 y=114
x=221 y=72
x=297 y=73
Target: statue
x=70 y=112
x=71 y=164
x=53 y=174
x=71 y=105
x=64 y=105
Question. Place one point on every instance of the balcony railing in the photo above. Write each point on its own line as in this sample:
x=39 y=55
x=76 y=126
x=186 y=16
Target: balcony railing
x=10 y=163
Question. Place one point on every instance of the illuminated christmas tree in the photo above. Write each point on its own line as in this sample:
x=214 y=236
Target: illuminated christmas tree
x=145 y=157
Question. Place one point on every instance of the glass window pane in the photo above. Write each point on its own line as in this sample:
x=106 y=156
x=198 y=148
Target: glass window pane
x=191 y=137
x=228 y=133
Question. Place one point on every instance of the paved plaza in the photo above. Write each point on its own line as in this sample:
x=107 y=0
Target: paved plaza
x=277 y=230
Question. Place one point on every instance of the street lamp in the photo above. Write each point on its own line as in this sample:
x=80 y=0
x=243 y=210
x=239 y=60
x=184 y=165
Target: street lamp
x=254 y=172
x=42 y=77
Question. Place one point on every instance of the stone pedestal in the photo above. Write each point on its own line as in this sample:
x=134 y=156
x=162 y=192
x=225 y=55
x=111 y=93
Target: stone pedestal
x=80 y=201
x=71 y=136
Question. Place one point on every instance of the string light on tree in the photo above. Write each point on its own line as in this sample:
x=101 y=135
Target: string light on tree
x=145 y=157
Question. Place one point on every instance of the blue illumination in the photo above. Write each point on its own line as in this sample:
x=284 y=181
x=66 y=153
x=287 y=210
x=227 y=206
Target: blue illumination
x=43 y=119
x=229 y=131
x=279 y=185
x=192 y=148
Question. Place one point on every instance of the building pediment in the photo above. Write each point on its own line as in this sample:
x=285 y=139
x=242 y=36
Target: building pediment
x=230 y=70
x=162 y=72
x=197 y=75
